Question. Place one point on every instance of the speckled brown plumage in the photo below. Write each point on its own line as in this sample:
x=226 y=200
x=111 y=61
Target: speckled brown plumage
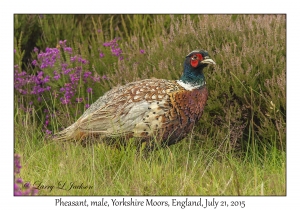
x=164 y=109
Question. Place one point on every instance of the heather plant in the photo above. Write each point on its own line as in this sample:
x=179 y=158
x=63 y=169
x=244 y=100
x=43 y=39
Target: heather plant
x=241 y=133
x=61 y=78
x=21 y=188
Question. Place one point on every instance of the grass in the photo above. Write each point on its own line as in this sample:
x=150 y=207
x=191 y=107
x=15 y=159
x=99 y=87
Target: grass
x=238 y=146
x=188 y=168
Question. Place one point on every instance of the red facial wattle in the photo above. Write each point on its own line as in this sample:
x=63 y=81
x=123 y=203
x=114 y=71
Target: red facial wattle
x=195 y=59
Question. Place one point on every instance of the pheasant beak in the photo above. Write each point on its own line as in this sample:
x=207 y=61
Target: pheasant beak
x=208 y=60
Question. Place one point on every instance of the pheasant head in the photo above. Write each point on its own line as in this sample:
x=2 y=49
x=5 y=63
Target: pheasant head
x=194 y=64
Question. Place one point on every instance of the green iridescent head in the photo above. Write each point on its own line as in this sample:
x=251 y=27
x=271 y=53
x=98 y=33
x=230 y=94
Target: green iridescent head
x=194 y=64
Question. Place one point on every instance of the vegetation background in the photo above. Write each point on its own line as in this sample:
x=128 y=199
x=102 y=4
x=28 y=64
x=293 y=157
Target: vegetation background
x=63 y=63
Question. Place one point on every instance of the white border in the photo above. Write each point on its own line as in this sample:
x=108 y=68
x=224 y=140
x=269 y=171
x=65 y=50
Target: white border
x=8 y=8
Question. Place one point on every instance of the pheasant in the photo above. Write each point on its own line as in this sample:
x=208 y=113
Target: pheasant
x=164 y=109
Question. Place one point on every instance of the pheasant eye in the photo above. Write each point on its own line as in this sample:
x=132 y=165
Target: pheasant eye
x=197 y=57
x=194 y=57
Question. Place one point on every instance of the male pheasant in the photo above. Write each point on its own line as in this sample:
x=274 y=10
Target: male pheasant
x=164 y=109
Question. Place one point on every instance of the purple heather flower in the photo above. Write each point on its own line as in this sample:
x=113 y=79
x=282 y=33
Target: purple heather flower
x=40 y=74
x=24 y=92
x=16 y=187
x=74 y=78
x=17 y=164
x=37 y=89
x=87 y=74
x=34 y=62
x=68 y=49
x=104 y=77
x=89 y=90
x=43 y=66
x=48 y=132
x=14 y=50
x=96 y=78
x=64 y=100
x=56 y=75
x=23 y=73
x=142 y=51
x=63 y=43
x=27 y=185
x=79 y=59
x=84 y=61
x=64 y=65
x=78 y=69
x=66 y=71
x=19 y=180
x=18 y=193
x=46 y=79
x=106 y=44
x=116 y=51
x=48 y=58
x=74 y=58
x=35 y=190
x=87 y=106
x=99 y=30
x=35 y=49
x=101 y=55
x=78 y=100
